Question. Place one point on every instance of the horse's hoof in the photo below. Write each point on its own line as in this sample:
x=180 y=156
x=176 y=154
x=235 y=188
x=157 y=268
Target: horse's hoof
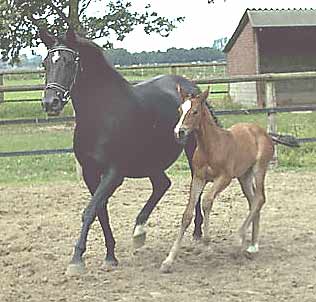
x=253 y=249
x=139 y=240
x=197 y=236
x=75 y=269
x=166 y=268
x=111 y=262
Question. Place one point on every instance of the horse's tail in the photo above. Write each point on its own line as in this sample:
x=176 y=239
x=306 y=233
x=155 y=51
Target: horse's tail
x=287 y=140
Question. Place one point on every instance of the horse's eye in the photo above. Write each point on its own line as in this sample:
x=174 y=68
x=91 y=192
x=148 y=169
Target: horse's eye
x=194 y=112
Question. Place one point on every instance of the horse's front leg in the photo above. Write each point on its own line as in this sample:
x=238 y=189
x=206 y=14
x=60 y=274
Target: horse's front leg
x=198 y=220
x=109 y=181
x=160 y=184
x=197 y=186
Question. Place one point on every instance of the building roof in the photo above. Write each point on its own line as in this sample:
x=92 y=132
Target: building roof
x=273 y=18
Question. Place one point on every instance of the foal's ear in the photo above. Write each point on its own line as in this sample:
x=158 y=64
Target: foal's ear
x=205 y=94
x=181 y=92
x=48 y=39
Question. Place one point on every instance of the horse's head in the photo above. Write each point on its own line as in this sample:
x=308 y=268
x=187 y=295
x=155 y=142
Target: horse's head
x=190 y=111
x=61 y=66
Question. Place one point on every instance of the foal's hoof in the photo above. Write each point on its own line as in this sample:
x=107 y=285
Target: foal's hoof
x=76 y=269
x=166 y=267
x=139 y=240
x=253 y=249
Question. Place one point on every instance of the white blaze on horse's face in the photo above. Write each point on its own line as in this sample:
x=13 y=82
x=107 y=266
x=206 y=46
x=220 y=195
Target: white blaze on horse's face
x=185 y=107
x=55 y=57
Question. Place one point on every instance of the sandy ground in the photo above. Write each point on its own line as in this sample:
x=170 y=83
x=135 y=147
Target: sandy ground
x=39 y=225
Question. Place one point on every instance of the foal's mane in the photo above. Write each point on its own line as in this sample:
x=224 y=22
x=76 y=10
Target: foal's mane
x=212 y=113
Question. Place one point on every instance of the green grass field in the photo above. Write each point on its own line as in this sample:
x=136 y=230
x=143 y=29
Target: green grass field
x=38 y=169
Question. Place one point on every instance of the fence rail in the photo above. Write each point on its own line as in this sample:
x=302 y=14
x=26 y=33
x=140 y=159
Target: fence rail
x=268 y=77
x=70 y=150
x=132 y=67
x=135 y=71
x=217 y=112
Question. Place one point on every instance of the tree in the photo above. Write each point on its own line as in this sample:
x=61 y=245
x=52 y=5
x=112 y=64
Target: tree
x=172 y=55
x=20 y=20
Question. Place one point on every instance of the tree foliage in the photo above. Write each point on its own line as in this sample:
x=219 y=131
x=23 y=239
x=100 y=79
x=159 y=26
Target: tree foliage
x=122 y=57
x=20 y=20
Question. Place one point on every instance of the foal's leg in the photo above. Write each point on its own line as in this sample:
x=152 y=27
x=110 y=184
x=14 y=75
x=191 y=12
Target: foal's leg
x=259 y=171
x=108 y=183
x=198 y=219
x=247 y=186
x=160 y=184
x=218 y=186
x=197 y=186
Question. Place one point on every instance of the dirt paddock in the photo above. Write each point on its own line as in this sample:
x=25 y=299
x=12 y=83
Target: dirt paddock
x=39 y=225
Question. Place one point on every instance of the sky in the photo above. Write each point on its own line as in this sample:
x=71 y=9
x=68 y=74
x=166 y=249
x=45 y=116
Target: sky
x=203 y=22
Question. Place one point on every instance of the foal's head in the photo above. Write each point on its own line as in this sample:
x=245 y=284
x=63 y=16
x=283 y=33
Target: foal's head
x=191 y=111
x=61 y=67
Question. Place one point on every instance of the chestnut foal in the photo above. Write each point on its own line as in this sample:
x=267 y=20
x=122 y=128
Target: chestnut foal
x=241 y=152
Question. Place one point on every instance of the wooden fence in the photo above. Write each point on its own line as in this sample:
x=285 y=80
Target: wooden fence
x=271 y=110
x=135 y=71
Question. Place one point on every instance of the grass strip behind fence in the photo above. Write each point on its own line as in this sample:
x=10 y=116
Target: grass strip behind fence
x=61 y=167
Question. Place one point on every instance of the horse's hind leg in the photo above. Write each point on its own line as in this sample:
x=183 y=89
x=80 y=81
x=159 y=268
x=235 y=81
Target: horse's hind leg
x=160 y=184
x=259 y=171
x=247 y=186
x=198 y=220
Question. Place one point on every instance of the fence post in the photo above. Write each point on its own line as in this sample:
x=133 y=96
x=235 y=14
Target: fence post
x=272 y=122
x=1 y=84
x=173 y=70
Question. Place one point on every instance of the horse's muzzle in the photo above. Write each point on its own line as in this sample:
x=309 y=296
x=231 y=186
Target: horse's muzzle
x=52 y=105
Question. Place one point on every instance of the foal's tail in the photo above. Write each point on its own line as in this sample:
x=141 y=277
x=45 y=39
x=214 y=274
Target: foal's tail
x=287 y=140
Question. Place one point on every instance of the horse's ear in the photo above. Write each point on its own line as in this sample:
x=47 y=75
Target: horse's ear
x=48 y=39
x=205 y=94
x=181 y=92
x=71 y=38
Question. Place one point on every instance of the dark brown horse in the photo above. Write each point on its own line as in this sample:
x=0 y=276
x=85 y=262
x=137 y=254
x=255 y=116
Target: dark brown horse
x=121 y=131
x=243 y=152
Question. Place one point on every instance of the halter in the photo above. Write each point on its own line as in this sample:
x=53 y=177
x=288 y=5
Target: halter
x=64 y=91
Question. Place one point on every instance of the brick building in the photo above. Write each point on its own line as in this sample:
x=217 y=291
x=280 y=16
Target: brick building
x=268 y=41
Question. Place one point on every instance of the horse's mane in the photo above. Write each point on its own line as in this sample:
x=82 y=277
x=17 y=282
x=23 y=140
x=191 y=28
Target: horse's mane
x=211 y=111
x=97 y=57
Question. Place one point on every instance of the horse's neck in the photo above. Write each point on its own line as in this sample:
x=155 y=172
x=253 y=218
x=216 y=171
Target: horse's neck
x=97 y=85
x=209 y=132
x=97 y=71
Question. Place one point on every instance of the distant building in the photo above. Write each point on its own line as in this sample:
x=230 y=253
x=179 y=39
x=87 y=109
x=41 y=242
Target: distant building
x=269 y=41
